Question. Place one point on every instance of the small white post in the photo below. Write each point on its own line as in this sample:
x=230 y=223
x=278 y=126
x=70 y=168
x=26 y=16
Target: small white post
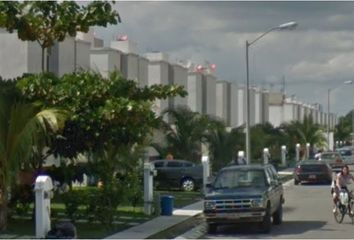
x=283 y=155
x=241 y=158
x=297 y=152
x=43 y=192
x=307 y=150
x=266 y=155
x=206 y=171
x=148 y=187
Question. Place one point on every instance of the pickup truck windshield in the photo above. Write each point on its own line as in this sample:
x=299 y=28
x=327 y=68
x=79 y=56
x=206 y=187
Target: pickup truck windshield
x=240 y=178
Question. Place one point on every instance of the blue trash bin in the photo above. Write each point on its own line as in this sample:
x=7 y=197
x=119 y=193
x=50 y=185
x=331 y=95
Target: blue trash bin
x=167 y=205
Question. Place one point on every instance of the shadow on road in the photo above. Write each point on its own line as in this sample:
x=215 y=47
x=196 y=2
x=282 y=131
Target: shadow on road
x=297 y=227
x=286 y=228
x=288 y=209
x=315 y=184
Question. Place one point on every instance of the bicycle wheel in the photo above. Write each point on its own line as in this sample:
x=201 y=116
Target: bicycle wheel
x=340 y=213
x=351 y=216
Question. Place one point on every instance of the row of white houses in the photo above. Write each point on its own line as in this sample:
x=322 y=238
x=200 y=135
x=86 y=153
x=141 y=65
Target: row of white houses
x=206 y=93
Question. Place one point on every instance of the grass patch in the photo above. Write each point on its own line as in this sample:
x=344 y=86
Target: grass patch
x=26 y=227
x=182 y=199
x=126 y=216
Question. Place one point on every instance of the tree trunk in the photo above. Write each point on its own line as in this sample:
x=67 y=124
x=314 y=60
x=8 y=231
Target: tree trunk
x=3 y=207
x=43 y=59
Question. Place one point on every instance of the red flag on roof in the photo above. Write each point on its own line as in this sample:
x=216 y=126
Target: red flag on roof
x=199 y=67
x=123 y=38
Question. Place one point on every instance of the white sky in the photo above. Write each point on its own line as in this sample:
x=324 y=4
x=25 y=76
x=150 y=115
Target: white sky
x=318 y=55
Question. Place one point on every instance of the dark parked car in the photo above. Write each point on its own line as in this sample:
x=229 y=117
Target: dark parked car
x=248 y=193
x=179 y=174
x=312 y=171
x=334 y=159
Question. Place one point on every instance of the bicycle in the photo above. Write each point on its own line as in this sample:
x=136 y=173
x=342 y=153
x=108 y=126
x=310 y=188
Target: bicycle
x=343 y=205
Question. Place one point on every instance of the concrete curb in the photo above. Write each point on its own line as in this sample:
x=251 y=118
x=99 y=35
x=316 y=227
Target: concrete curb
x=159 y=224
x=194 y=233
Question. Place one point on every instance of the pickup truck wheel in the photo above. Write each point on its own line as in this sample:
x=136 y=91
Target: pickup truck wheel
x=212 y=227
x=188 y=184
x=278 y=215
x=266 y=224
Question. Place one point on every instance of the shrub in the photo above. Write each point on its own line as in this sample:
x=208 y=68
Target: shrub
x=21 y=198
x=72 y=200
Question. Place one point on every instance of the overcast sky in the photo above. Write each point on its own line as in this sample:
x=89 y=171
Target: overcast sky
x=316 y=56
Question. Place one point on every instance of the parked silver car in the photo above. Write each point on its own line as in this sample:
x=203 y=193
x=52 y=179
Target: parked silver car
x=347 y=154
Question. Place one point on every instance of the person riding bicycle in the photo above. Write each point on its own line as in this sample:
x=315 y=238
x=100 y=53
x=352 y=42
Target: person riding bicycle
x=341 y=182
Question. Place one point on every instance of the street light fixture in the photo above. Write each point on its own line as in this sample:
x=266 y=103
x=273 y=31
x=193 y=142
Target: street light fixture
x=285 y=26
x=328 y=106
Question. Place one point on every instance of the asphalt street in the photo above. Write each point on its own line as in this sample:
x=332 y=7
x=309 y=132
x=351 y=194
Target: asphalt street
x=307 y=215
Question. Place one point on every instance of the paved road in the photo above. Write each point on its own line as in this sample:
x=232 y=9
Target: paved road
x=307 y=214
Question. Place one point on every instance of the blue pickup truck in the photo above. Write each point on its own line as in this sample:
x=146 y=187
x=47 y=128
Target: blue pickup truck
x=245 y=193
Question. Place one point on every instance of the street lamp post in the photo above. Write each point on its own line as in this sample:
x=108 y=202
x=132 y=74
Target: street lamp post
x=285 y=26
x=328 y=108
x=352 y=130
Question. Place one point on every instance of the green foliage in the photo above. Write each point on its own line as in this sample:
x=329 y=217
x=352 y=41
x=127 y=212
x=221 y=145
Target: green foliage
x=107 y=201
x=134 y=183
x=121 y=177
x=72 y=200
x=184 y=134
x=97 y=204
x=223 y=144
x=104 y=111
x=303 y=132
x=48 y=22
x=266 y=136
x=344 y=128
x=22 y=125
x=21 y=198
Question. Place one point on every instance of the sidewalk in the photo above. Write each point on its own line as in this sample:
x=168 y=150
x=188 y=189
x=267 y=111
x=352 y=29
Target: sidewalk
x=287 y=171
x=160 y=223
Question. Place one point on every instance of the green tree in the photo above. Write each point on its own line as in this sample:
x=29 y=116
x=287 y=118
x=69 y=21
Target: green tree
x=48 y=22
x=109 y=118
x=266 y=136
x=304 y=132
x=22 y=124
x=223 y=144
x=344 y=128
x=104 y=111
x=183 y=135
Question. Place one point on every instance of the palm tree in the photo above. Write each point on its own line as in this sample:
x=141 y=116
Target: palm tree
x=266 y=136
x=223 y=144
x=183 y=135
x=21 y=126
x=304 y=132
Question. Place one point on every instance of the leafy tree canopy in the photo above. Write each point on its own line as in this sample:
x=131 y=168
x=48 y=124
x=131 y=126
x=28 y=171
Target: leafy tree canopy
x=344 y=128
x=104 y=111
x=49 y=21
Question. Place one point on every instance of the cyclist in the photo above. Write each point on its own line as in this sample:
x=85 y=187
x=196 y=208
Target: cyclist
x=341 y=182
